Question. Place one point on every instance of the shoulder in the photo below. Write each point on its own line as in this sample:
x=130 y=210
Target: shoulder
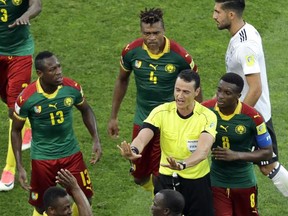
x=134 y=44
x=30 y=90
x=209 y=103
x=252 y=113
x=177 y=48
x=67 y=82
x=203 y=110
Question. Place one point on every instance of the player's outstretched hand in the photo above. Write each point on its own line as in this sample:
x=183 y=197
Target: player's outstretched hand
x=172 y=164
x=125 y=150
x=66 y=179
x=113 y=129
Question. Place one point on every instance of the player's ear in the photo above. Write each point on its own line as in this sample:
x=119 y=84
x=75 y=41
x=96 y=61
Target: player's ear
x=39 y=73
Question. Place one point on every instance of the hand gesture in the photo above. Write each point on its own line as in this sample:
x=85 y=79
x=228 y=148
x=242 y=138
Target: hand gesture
x=172 y=164
x=23 y=20
x=225 y=154
x=125 y=150
x=66 y=179
x=113 y=129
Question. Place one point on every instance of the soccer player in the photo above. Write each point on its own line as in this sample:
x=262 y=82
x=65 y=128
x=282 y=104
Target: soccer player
x=48 y=104
x=168 y=202
x=187 y=131
x=233 y=179
x=156 y=62
x=57 y=201
x=16 y=49
x=245 y=57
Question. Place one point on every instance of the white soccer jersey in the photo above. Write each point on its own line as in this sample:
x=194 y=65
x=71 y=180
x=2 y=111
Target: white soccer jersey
x=245 y=56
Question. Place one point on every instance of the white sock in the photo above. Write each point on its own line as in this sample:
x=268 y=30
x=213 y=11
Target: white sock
x=279 y=176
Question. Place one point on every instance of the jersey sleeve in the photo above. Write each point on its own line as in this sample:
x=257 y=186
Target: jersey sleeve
x=248 y=56
x=21 y=111
x=77 y=90
x=154 y=118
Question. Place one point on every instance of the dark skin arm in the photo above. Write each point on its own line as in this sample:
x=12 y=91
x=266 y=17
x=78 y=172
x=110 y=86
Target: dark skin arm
x=255 y=156
x=90 y=123
x=34 y=9
x=67 y=180
x=120 y=89
x=16 y=138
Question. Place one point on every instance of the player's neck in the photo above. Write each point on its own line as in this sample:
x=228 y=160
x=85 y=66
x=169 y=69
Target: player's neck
x=48 y=88
x=236 y=26
x=228 y=110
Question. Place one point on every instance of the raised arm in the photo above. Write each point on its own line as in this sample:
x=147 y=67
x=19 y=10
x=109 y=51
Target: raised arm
x=67 y=180
x=133 y=151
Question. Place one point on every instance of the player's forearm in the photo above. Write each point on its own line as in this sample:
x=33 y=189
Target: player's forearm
x=119 y=93
x=83 y=205
x=90 y=122
x=34 y=9
x=252 y=97
x=16 y=146
x=255 y=156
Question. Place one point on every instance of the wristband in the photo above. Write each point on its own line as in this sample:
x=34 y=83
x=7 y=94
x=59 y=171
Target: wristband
x=134 y=149
x=183 y=163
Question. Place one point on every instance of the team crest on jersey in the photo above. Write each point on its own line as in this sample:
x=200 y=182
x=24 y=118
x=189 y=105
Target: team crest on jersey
x=68 y=101
x=250 y=60
x=170 y=68
x=37 y=109
x=240 y=129
x=138 y=63
x=4 y=2
x=16 y=2
x=34 y=195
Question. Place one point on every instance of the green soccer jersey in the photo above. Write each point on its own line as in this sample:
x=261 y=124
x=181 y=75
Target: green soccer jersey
x=51 y=118
x=237 y=132
x=155 y=75
x=15 y=41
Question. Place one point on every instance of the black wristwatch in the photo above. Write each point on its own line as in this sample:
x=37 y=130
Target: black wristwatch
x=183 y=163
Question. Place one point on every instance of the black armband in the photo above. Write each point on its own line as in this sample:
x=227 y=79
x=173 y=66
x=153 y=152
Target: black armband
x=135 y=149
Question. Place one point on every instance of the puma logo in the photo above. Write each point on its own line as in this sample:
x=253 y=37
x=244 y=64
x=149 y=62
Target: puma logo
x=256 y=116
x=154 y=67
x=53 y=105
x=224 y=128
x=186 y=55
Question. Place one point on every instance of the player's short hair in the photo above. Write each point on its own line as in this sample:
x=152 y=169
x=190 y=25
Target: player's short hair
x=234 y=78
x=39 y=60
x=188 y=75
x=236 y=5
x=151 y=16
x=51 y=196
x=173 y=200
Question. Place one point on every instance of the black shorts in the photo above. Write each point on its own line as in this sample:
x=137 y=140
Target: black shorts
x=197 y=193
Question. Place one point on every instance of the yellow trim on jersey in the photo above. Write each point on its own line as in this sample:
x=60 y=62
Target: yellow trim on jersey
x=41 y=91
x=18 y=117
x=159 y=55
x=177 y=135
x=228 y=117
